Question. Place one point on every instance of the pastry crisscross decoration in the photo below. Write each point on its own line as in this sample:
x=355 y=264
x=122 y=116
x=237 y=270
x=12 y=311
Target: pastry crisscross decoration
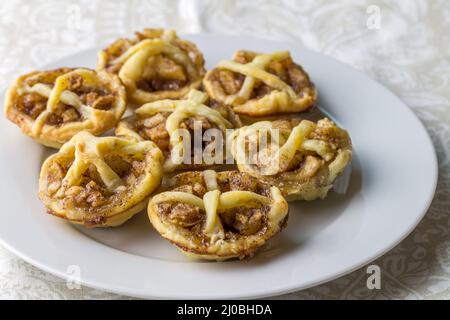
x=214 y=201
x=255 y=70
x=281 y=150
x=89 y=150
x=60 y=93
x=180 y=110
x=277 y=96
x=137 y=55
x=134 y=59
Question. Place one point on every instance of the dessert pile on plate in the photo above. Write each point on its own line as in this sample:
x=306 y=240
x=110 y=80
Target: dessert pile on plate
x=213 y=187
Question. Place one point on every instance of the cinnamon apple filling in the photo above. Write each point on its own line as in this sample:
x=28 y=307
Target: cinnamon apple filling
x=154 y=65
x=168 y=123
x=289 y=72
x=100 y=181
x=52 y=106
x=92 y=191
x=301 y=157
x=218 y=215
x=261 y=84
x=154 y=129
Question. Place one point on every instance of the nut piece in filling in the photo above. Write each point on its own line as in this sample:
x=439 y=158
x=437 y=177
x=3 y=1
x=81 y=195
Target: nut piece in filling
x=261 y=84
x=52 y=106
x=218 y=215
x=154 y=65
x=100 y=181
x=177 y=125
x=300 y=157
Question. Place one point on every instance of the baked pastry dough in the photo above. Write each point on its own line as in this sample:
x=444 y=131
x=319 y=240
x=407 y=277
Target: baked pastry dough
x=171 y=124
x=100 y=181
x=261 y=84
x=52 y=106
x=155 y=65
x=218 y=216
x=301 y=157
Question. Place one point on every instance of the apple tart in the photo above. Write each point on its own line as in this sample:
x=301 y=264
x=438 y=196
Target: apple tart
x=301 y=157
x=155 y=65
x=52 y=106
x=218 y=215
x=185 y=130
x=100 y=181
x=261 y=84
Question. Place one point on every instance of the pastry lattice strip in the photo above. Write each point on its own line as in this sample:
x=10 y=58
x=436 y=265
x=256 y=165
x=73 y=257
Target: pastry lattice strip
x=255 y=70
x=89 y=150
x=214 y=201
x=137 y=55
x=181 y=110
x=59 y=93
x=284 y=151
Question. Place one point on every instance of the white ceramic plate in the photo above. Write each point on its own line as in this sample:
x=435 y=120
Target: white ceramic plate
x=392 y=184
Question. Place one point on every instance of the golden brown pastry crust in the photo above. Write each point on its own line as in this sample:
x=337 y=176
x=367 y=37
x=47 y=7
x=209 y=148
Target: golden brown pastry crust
x=100 y=181
x=261 y=84
x=155 y=65
x=218 y=216
x=303 y=164
x=52 y=106
x=160 y=121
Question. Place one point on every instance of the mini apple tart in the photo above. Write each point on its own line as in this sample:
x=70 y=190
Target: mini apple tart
x=100 y=181
x=261 y=84
x=155 y=65
x=301 y=157
x=191 y=134
x=218 y=216
x=52 y=106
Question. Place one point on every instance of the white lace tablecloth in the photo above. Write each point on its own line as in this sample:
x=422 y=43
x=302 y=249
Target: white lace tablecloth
x=406 y=47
